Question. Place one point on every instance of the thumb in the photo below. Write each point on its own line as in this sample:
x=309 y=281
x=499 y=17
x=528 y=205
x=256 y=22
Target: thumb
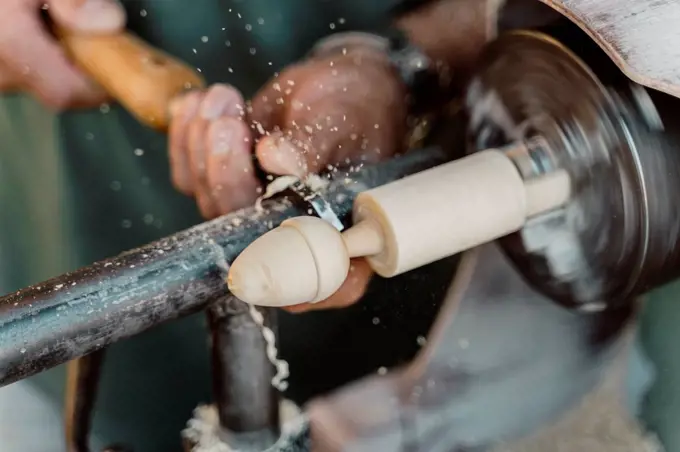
x=325 y=133
x=88 y=16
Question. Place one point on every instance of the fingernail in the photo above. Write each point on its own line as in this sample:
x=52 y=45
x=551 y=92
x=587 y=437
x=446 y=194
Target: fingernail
x=220 y=99
x=285 y=157
x=220 y=138
x=292 y=159
x=185 y=106
x=100 y=15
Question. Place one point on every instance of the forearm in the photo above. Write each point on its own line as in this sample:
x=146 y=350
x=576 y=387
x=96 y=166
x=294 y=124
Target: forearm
x=452 y=32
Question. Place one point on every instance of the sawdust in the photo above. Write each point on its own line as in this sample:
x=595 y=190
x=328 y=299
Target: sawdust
x=278 y=185
x=282 y=183
x=203 y=430
x=281 y=366
x=316 y=182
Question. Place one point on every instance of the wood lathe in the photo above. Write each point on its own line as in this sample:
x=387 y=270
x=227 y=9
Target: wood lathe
x=575 y=177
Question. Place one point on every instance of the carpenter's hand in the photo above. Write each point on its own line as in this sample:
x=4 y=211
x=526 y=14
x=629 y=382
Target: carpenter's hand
x=31 y=59
x=336 y=109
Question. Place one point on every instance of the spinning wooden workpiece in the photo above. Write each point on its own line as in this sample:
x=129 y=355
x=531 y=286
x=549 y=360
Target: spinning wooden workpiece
x=398 y=227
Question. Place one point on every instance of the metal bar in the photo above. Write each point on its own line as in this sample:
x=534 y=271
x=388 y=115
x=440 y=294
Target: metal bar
x=78 y=313
x=247 y=403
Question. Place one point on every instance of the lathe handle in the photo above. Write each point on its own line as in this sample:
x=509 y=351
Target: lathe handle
x=142 y=78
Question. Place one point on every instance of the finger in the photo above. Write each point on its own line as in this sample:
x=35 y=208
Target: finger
x=197 y=132
x=276 y=154
x=372 y=122
x=218 y=100
x=89 y=16
x=182 y=111
x=41 y=65
x=222 y=99
x=325 y=133
x=312 y=137
x=351 y=291
x=268 y=105
x=354 y=78
x=381 y=136
x=230 y=170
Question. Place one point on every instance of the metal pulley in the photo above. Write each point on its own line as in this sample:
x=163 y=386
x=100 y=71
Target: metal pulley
x=617 y=236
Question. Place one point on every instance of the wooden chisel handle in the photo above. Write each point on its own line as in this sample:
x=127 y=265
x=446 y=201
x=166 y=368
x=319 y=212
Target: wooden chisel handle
x=142 y=78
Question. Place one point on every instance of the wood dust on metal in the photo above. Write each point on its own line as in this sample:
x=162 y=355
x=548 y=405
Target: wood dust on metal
x=203 y=430
x=282 y=369
x=283 y=183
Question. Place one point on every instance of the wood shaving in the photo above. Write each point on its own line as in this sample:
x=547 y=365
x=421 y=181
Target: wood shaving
x=203 y=430
x=282 y=183
x=282 y=369
x=278 y=185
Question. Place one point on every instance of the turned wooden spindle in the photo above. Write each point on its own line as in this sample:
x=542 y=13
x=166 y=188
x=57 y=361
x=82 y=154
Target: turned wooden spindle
x=397 y=227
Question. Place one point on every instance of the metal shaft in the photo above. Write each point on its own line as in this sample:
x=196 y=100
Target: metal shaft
x=247 y=403
x=80 y=312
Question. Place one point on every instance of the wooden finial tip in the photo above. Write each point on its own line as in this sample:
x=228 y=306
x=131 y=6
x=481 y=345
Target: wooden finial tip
x=302 y=261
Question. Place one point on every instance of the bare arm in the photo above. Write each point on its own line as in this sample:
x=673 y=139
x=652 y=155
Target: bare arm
x=452 y=31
